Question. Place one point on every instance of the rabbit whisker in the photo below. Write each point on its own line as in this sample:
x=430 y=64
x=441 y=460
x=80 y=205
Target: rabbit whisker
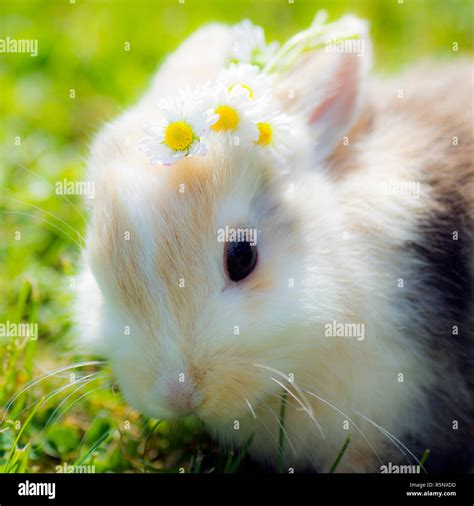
x=350 y=420
x=391 y=438
x=46 y=376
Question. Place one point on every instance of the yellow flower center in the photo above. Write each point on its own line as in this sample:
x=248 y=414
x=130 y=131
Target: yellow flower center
x=228 y=118
x=265 y=134
x=247 y=87
x=179 y=136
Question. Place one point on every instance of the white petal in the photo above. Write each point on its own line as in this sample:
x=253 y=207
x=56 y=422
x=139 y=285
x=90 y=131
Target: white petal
x=253 y=132
x=199 y=148
x=156 y=130
x=177 y=155
x=197 y=121
x=211 y=118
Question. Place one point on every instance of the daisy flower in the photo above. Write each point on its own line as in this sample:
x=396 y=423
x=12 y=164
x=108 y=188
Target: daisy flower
x=181 y=132
x=248 y=77
x=237 y=112
x=249 y=45
x=275 y=136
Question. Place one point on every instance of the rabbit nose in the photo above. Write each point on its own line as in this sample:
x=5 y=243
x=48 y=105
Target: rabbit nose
x=183 y=398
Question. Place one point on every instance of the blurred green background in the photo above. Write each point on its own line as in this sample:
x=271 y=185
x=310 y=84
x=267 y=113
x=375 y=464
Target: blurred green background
x=44 y=138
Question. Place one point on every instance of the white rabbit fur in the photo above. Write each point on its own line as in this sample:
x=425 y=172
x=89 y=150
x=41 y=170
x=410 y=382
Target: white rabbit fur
x=332 y=247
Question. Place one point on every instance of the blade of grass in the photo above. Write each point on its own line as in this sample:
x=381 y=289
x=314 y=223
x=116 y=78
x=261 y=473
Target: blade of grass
x=22 y=298
x=424 y=458
x=93 y=448
x=234 y=466
x=228 y=462
x=13 y=448
x=147 y=432
x=281 y=440
x=197 y=463
x=341 y=453
x=19 y=460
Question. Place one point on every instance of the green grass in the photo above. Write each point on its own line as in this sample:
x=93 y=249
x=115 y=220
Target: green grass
x=44 y=137
x=281 y=433
x=341 y=454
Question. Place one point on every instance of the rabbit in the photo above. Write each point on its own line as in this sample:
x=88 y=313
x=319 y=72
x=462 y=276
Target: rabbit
x=369 y=230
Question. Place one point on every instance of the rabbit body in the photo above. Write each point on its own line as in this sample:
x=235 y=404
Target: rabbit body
x=358 y=315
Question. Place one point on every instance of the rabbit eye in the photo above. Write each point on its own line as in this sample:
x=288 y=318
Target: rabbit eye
x=241 y=259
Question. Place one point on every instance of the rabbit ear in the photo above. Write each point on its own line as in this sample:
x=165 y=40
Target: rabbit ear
x=326 y=86
x=197 y=60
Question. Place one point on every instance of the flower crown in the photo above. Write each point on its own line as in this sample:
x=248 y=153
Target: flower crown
x=239 y=101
